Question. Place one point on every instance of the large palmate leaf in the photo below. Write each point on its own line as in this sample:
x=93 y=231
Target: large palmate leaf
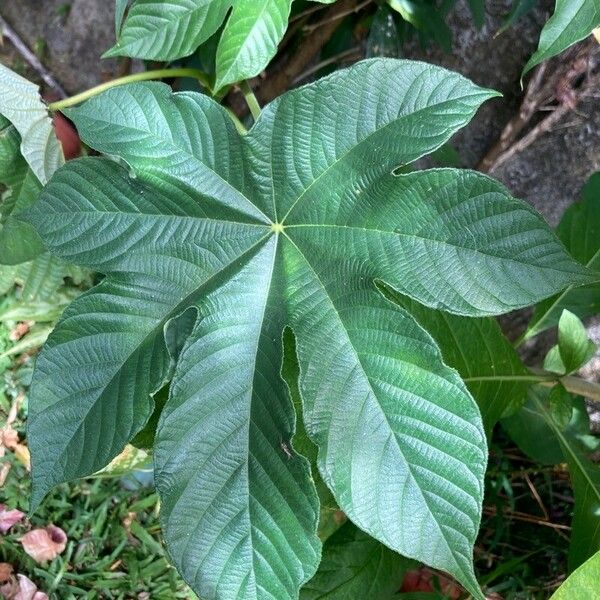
x=211 y=244
x=579 y=230
x=174 y=29
x=478 y=350
x=572 y=21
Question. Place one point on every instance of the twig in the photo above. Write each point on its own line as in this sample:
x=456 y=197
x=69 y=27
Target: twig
x=543 y=89
x=519 y=516
x=7 y=31
x=537 y=497
x=315 y=68
x=307 y=13
x=337 y=17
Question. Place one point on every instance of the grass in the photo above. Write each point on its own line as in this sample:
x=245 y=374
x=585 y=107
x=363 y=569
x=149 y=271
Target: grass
x=521 y=552
x=114 y=549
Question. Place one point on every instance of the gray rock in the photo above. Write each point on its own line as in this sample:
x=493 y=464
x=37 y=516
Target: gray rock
x=73 y=35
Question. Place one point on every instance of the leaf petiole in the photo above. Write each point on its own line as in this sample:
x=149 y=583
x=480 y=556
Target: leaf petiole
x=144 y=76
x=250 y=98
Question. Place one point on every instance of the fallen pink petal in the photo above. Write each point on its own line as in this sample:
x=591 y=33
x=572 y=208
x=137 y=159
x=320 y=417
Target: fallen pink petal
x=28 y=590
x=8 y=518
x=44 y=544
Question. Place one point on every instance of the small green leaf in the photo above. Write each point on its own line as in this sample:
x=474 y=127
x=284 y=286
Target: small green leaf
x=585 y=478
x=250 y=39
x=553 y=361
x=574 y=346
x=353 y=566
x=426 y=19
x=579 y=231
x=561 y=406
x=21 y=104
x=518 y=10
x=384 y=37
x=176 y=28
x=583 y=583
x=572 y=21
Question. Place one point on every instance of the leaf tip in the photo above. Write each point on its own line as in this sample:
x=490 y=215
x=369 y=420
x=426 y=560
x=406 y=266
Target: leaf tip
x=112 y=52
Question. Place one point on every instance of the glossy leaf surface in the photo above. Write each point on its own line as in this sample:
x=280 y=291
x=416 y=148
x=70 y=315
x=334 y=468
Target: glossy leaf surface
x=354 y=565
x=219 y=241
x=579 y=230
x=583 y=583
x=175 y=28
x=572 y=21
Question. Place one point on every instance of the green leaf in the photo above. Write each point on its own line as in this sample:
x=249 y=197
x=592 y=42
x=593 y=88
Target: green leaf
x=529 y=429
x=585 y=478
x=426 y=19
x=250 y=38
x=519 y=9
x=354 y=565
x=120 y=8
x=19 y=241
x=572 y=21
x=579 y=230
x=289 y=225
x=561 y=406
x=384 y=37
x=478 y=350
x=574 y=348
x=22 y=106
x=585 y=527
x=169 y=30
x=157 y=30
x=583 y=583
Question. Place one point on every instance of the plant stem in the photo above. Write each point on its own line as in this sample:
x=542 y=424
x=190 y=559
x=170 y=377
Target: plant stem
x=238 y=124
x=144 y=76
x=576 y=385
x=251 y=100
x=572 y=384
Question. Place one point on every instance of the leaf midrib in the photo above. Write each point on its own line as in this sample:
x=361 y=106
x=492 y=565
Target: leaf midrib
x=367 y=379
x=189 y=156
x=429 y=240
x=184 y=303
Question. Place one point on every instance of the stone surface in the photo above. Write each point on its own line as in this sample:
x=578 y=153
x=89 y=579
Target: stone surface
x=71 y=36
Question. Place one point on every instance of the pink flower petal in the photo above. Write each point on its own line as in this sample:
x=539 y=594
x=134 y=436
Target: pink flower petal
x=28 y=590
x=44 y=544
x=8 y=518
